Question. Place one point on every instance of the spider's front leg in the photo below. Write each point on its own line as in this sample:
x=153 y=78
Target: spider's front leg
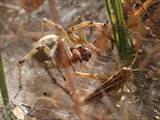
x=76 y=39
x=102 y=42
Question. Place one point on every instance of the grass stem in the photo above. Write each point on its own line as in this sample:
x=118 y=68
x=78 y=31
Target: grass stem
x=4 y=92
x=120 y=31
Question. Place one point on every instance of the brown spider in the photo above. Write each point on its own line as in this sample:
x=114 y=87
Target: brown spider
x=52 y=51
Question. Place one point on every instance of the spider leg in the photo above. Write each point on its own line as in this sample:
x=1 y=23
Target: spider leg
x=75 y=39
x=87 y=75
x=20 y=65
x=80 y=28
x=103 y=35
x=85 y=24
x=83 y=35
x=22 y=61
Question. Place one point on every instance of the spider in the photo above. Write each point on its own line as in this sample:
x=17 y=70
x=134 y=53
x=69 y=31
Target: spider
x=55 y=51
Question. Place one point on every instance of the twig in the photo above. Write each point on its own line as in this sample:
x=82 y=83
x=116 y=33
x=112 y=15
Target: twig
x=53 y=5
x=56 y=83
x=9 y=6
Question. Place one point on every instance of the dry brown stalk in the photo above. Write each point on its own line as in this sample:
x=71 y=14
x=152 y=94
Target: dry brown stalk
x=53 y=5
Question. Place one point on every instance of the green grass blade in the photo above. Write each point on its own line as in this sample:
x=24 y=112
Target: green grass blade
x=120 y=30
x=109 y=8
x=4 y=92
